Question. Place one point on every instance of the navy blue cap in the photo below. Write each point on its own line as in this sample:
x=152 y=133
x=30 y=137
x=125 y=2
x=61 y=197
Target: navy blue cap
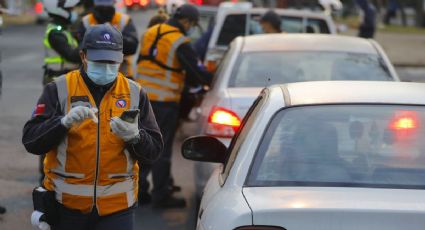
x=103 y=43
x=187 y=11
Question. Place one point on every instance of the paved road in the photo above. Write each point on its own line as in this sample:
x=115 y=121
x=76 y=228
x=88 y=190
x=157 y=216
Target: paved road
x=22 y=53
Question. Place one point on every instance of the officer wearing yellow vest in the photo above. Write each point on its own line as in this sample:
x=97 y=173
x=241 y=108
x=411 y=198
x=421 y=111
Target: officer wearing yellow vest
x=92 y=154
x=167 y=62
x=104 y=12
x=61 y=48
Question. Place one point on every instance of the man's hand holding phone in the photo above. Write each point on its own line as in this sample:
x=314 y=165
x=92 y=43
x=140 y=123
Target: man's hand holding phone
x=126 y=126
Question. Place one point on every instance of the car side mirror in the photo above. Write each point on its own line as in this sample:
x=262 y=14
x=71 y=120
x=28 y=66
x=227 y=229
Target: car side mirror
x=204 y=148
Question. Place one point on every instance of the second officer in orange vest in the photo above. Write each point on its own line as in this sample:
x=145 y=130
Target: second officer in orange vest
x=167 y=62
x=104 y=12
x=92 y=154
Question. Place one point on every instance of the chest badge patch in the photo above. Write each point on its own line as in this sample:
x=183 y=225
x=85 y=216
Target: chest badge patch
x=121 y=103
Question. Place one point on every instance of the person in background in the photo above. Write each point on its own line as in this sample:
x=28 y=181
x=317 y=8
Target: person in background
x=61 y=48
x=368 y=25
x=104 y=12
x=270 y=22
x=159 y=18
x=167 y=62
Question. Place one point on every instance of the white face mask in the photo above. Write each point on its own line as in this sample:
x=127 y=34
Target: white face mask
x=102 y=73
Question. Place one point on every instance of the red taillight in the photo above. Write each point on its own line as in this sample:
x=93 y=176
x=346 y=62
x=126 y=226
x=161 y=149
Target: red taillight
x=405 y=125
x=128 y=2
x=160 y=2
x=143 y=2
x=405 y=120
x=198 y=2
x=223 y=123
x=38 y=8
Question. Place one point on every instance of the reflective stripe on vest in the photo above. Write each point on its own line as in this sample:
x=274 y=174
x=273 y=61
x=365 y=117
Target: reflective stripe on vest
x=74 y=183
x=162 y=84
x=52 y=57
x=119 y=21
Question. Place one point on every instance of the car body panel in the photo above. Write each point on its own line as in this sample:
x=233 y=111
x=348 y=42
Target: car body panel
x=337 y=208
x=220 y=205
x=335 y=92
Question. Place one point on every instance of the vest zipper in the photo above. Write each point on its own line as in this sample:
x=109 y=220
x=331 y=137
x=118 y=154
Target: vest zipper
x=98 y=146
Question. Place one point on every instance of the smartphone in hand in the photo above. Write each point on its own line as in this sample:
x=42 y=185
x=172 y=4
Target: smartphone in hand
x=130 y=115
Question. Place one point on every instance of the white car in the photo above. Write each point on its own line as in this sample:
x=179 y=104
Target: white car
x=241 y=19
x=255 y=62
x=320 y=155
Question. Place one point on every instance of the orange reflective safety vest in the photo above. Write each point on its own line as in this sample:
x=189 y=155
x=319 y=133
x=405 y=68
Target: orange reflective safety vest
x=158 y=69
x=119 y=21
x=91 y=166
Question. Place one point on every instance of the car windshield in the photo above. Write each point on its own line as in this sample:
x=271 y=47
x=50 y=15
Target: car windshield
x=260 y=69
x=378 y=146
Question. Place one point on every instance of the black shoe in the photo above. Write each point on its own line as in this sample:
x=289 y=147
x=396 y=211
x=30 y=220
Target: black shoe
x=170 y=202
x=2 y=210
x=144 y=199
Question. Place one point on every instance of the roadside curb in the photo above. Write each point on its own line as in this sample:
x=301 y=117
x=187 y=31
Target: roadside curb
x=12 y=20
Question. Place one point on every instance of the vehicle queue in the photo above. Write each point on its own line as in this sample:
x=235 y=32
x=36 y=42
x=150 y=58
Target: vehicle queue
x=294 y=130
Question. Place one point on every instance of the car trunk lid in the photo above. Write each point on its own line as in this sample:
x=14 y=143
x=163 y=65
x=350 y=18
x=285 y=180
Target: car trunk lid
x=337 y=208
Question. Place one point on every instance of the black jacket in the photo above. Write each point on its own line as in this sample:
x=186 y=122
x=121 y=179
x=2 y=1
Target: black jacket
x=43 y=132
x=59 y=42
x=188 y=58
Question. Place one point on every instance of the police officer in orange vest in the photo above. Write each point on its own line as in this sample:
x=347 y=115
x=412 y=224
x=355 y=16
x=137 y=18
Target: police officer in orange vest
x=167 y=63
x=104 y=12
x=92 y=151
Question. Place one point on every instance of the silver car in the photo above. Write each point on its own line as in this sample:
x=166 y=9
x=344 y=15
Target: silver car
x=320 y=155
x=255 y=62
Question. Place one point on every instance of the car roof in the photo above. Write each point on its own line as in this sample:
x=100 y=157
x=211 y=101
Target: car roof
x=307 y=42
x=291 y=12
x=351 y=92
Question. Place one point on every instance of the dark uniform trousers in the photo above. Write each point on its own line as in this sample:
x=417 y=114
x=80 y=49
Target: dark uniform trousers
x=73 y=220
x=166 y=114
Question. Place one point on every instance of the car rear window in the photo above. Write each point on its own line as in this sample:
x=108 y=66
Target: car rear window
x=260 y=69
x=377 y=146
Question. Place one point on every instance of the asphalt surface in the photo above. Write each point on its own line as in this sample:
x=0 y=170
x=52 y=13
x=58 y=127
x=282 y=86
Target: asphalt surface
x=22 y=58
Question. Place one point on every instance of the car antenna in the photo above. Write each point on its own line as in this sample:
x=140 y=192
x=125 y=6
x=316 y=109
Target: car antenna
x=267 y=82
